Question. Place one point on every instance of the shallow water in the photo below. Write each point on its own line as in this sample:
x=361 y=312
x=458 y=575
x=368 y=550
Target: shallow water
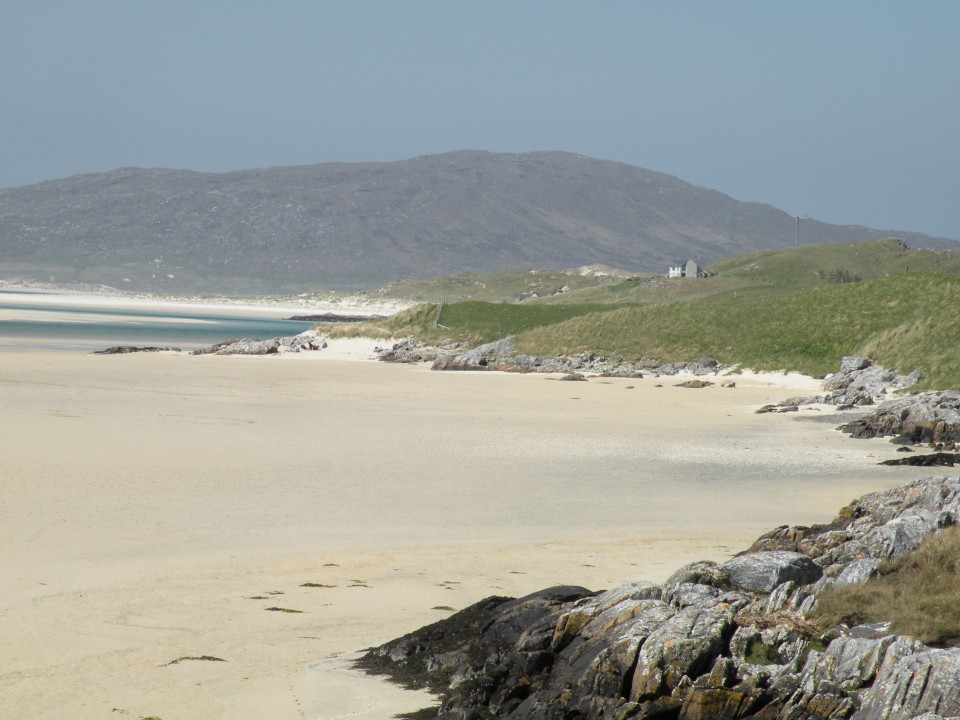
x=68 y=327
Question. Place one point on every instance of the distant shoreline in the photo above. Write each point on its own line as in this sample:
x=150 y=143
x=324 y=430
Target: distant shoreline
x=279 y=307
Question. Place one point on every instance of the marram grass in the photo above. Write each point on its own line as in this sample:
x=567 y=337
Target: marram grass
x=918 y=594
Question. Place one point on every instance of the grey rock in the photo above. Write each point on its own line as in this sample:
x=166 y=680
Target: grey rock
x=847 y=664
x=306 y=341
x=851 y=364
x=857 y=572
x=763 y=571
x=858 y=383
x=407 y=351
x=480 y=356
x=920 y=683
x=705 y=572
x=923 y=418
x=686 y=644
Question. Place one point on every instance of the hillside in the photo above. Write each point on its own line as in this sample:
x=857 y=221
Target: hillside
x=780 y=310
x=350 y=226
x=789 y=268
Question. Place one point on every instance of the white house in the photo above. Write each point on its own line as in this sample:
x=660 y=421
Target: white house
x=687 y=269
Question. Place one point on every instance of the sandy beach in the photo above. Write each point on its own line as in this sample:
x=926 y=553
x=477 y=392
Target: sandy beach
x=155 y=507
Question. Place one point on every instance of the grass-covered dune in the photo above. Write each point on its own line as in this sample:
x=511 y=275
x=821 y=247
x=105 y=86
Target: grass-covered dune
x=797 y=309
x=906 y=320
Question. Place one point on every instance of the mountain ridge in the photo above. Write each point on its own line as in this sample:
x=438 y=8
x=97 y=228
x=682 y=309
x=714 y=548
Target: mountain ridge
x=358 y=225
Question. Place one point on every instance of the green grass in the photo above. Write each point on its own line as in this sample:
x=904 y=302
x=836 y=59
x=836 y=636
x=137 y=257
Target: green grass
x=818 y=264
x=782 y=310
x=908 y=320
x=919 y=594
x=806 y=266
x=470 y=322
x=503 y=286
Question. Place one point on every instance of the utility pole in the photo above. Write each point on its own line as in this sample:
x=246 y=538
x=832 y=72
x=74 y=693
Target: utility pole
x=798 y=231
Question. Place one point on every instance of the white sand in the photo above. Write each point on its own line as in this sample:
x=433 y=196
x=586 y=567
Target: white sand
x=277 y=308
x=145 y=499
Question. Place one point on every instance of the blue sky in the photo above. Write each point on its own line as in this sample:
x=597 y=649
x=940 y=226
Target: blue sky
x=844 y=111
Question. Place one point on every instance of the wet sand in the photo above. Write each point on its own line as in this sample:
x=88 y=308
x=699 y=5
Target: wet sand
x=156 y=506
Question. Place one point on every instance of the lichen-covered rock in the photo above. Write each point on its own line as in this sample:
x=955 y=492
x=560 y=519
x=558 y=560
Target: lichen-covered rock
x=846 y=665
x=411 y=351
x=684 y=645
x=763 y=571
x=856 y=572
x=592 y=672
x=701 y=572
x=858 y=382
x=921 y=683
x=721 y=703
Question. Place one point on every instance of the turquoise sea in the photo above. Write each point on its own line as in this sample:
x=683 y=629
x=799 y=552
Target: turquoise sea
x=68 y=327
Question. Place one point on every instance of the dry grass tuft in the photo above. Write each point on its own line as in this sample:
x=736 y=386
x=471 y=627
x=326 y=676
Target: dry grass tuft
x=766 y=621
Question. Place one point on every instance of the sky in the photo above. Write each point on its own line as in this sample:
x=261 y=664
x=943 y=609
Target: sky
x=848 y=112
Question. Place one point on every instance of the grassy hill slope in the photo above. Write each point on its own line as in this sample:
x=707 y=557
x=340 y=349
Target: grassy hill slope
x=907 y=320
x=799 y=309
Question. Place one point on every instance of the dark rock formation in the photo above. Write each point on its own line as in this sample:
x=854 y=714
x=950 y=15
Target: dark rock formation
x=937 y=459
x=925 y=418
x=695 y=384
x=124 y=349
x=714 y=641
x=335 y=318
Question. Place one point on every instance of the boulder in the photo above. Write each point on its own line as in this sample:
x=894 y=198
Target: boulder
x=763 y=571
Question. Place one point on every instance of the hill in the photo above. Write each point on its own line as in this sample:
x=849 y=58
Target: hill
x=351 y=226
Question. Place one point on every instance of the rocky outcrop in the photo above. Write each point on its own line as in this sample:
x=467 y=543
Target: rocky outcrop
x=501 y=355
x=304 y=342
x=765 y=570
x=714 y=641
x=858 y=383
x=336 y=318
x=125 y=349
x=925 y=418
x=412 y=351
